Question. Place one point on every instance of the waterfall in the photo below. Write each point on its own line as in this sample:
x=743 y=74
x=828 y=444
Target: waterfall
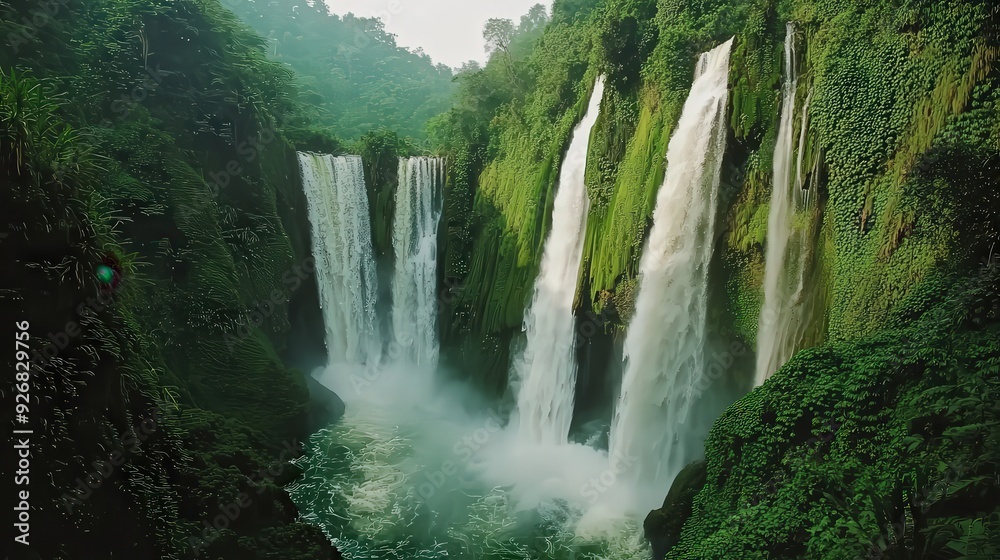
x=787 y=311
x=664 y=368
x=546 y=370
x=342 y=249
x=414 y=240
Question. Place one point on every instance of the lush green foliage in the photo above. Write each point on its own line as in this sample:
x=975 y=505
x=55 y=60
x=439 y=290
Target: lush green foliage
x=380 y=151
x=352 y=75
x=506 y=133
x=879 y=448
x=148 y=133
x=901 y=150
x=163 y=133
x=891 y=83
x=871 y=75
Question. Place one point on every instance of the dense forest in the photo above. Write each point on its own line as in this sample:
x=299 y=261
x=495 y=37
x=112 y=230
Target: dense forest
x=158 y=249
x=351 y=76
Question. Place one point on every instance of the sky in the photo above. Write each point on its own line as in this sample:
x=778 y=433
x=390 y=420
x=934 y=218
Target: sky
x=450 y=31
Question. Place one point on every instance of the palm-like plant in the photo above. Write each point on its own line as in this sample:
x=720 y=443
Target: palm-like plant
x=36 y=140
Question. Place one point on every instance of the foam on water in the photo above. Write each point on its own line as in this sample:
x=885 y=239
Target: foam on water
x=408 y=473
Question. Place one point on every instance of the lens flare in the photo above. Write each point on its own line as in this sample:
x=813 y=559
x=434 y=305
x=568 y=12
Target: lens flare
x=109 y=272
x=105 y=274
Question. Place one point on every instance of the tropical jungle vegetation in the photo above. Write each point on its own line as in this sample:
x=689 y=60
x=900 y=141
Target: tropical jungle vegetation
x=159 y=138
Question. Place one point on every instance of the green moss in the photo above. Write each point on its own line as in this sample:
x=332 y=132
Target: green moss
x=880 y=101
x=617 y=230
x=843 y=452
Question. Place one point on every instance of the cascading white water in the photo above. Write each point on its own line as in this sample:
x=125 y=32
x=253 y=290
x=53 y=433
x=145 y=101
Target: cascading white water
x=785 y=317
x=342 y=249
x=414 y=240
x=665 y=344
x=546 y=370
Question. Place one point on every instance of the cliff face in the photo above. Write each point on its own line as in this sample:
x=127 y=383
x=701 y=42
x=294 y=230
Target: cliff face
x=878 y=447
x=145 y=137
x=899 y=147
x=893 y=90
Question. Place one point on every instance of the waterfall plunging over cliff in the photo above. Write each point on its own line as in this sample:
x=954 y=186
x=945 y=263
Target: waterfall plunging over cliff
x=414 y=240
x=786 y=315
x=546 y=369
x=342 y=249
x=665 y=344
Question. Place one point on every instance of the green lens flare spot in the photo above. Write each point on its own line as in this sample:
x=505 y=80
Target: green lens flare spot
x=105 y=274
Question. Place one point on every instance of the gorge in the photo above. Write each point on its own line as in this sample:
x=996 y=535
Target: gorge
x=658 y=279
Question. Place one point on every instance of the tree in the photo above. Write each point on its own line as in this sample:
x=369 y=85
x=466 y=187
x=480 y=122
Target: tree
x=536 y=19
x=470 y=66
x=498 y=34
x=355 y=75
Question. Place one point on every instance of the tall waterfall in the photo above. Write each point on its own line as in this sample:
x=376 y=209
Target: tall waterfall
x=547 y=368
x=665 y=344
x=342 y=248
x=786 y=315
x=414 y=240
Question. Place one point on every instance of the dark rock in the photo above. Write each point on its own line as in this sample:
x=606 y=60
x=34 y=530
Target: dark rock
x=325 y=406
x=662 y=527
x=290 y=472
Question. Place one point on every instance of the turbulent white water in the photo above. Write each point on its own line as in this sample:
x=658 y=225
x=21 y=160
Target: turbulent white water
x=788 y=304
x=414 y=240
x=409 y=474
x=665 y=345
x=546 y=370
x=342 y=248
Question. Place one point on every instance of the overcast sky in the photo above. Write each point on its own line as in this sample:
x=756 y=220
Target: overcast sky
x=450 y=31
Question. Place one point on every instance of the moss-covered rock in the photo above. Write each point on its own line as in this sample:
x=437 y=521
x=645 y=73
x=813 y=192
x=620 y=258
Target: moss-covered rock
x=866 y=449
